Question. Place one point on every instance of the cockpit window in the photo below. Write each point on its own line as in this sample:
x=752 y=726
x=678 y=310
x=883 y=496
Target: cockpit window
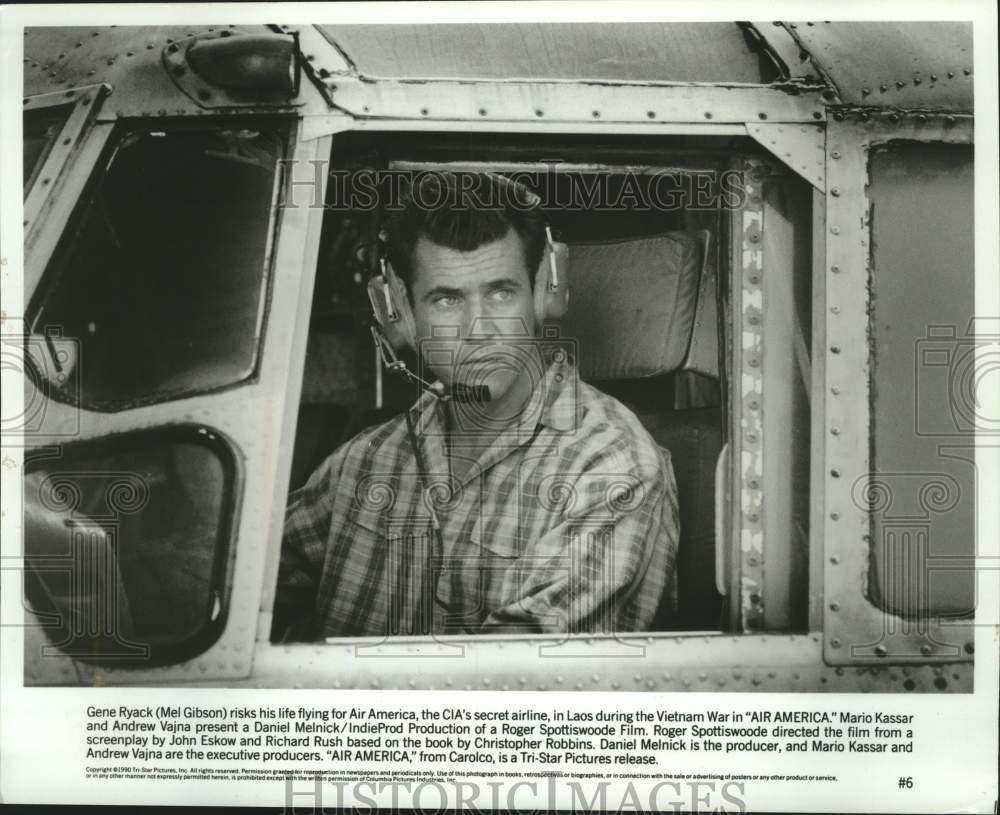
x=127 y=542
x=161 y=282
x=41 y=129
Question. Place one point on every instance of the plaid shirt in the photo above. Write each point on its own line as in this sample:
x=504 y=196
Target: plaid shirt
x=566 y=522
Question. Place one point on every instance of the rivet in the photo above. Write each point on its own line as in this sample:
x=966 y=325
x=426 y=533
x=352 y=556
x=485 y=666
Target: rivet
x=539 y=112
x=753 y=363
x=753 y=404
x=951 y=74
x=970 y=648
x=559 y=680
x=835 y=192
x=651 y=114
x=881 y=650
x=925 y=650
x=752 y=560
x=835 y=389
x=753 y=483
x=751 y=437
x=130 y=53
x=834 y=516
x=917 y=80
x=967 y=71
x=949 y=120
x=834 y=431
x=883 y=87
x=835 y=349
x=753 y=517
x=835 y=230
x=864 y=91
x=482 y=111
x=828 y=94
x=834 y=606
x=922 y=118
x=596 y=114
x=835 y=154
x=424 y=111
x=835 y=642
x=835 y=473
x=616 y=684
x=754 y=597
x=864 y=116
x=835 y=269
x=762 y=116
x=595 y=678
x=754 y=237
x=708 y=115
x=486 y=682
x=893 y=117
x=835 y=309
x=755 y=278
x=835 y=559
x=899 y=84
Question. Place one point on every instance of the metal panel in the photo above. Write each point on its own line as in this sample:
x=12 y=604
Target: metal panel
x=129 y=59
x=67 y=144
x=918 y=65
x=677 y=52
x=671 y=664
x=855 y=630
x=800 y=147
x=595 y=102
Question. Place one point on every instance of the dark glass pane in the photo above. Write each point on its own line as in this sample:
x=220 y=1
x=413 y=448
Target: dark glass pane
x=126 y=541
x=41 y=128
x=161 y=285
x=924 y=405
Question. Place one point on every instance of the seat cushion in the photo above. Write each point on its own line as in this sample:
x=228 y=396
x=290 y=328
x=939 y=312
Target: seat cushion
x=632 y=305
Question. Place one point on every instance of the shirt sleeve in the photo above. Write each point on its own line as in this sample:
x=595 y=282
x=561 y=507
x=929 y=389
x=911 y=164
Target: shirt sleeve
x=610 y=562
x=308 y=518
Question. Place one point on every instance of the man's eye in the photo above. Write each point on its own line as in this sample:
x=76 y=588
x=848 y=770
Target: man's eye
x=445 y=301
x=501 y=295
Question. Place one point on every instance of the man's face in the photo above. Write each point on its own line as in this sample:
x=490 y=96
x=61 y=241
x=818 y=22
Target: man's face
x=474 y=312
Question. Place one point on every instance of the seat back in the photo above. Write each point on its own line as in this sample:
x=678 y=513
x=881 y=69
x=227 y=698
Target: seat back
x=633 y=313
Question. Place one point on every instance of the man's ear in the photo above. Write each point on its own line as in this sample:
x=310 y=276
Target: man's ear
x=552 y=283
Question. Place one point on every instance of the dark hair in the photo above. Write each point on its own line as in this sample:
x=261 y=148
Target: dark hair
x=462 y=211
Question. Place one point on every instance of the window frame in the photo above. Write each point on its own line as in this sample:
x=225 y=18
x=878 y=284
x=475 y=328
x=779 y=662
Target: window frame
x=855 y=631
x=224 y=553
x=117 y=136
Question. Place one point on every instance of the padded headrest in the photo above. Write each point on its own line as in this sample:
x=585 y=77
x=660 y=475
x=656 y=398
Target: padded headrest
x=632 y=304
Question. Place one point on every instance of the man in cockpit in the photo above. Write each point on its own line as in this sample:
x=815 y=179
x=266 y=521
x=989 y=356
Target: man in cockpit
x=512 y=497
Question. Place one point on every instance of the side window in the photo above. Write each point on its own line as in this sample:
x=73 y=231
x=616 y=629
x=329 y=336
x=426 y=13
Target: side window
x=924 y=415
x=127 y=543
x=160 y=283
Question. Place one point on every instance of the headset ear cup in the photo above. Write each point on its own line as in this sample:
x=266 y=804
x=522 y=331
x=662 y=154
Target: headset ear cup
x=405 y=323
x=552 y=296
x=394 y=317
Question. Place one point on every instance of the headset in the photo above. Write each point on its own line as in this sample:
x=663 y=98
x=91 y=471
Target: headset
x=395 y=329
